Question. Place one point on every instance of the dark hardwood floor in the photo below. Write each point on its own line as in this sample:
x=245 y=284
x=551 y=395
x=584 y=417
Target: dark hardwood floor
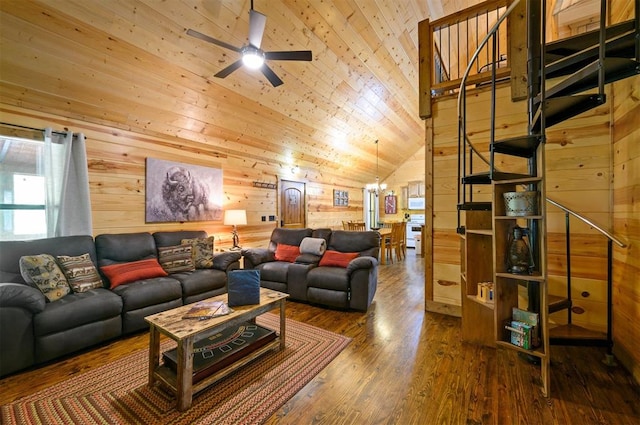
x=406 y=366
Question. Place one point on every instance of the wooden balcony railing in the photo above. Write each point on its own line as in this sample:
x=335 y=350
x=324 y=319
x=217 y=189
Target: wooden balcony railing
x=455 y=38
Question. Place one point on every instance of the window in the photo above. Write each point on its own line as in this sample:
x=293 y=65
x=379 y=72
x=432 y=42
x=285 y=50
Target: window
x=22 y=184
x=44 y=183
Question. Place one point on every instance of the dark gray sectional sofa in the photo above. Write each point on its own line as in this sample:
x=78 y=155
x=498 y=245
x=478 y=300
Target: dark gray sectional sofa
x=305 y=278
x=33 y=331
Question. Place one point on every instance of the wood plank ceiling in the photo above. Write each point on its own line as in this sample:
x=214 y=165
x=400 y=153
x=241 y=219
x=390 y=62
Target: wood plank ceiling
x=130 y=65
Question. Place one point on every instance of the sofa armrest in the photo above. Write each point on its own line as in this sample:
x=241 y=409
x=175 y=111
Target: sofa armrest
x=308 y=259
x=255 y=256
x=225 y=260
x=358 y=263
x=24 y=296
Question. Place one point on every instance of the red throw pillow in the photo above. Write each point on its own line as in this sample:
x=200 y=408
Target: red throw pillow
x=337 y=258
x=287 y=253
x=119 y=274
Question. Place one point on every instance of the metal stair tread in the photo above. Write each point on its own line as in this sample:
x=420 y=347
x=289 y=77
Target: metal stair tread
x=523 y=146
x=620 y=46
x=557 y=303
x=485 y=178
x=574 y=44
x=475 y=206
x=571 y=334
x=587 y=78
x=559 y=109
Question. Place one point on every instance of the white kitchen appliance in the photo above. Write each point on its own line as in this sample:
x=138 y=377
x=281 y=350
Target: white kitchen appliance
x=414 y=227
x=416 y=203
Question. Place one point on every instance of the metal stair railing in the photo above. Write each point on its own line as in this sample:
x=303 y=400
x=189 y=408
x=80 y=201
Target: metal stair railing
x=611 y=239
x=463 y=138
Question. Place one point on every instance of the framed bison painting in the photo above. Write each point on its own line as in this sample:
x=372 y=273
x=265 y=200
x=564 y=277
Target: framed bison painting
x=182 y=192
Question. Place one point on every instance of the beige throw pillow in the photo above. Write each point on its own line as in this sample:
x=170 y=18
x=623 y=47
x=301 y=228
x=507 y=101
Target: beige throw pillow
x=202 y=249
x=43 y=272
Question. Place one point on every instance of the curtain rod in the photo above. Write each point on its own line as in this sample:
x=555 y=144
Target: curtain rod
x=62 y=133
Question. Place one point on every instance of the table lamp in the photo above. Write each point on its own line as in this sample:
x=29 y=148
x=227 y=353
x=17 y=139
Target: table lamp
x=235 y=218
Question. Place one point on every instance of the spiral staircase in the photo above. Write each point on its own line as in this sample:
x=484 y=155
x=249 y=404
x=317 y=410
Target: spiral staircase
x=584 y=64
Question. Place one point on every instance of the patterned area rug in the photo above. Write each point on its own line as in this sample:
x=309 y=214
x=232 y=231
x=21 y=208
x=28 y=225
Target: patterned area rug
x=117 y=393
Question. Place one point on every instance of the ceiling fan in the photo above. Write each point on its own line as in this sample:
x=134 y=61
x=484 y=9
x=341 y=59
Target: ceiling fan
x=253 y=56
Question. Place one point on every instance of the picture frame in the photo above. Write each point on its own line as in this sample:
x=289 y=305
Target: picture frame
x=178 y=192
x=390 y=204
x=340 y=198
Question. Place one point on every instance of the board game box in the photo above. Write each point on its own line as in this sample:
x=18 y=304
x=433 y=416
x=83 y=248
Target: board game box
x=218 y=351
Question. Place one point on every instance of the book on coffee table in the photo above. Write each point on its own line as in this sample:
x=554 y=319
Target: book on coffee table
x=222 y=349
x=207 y=309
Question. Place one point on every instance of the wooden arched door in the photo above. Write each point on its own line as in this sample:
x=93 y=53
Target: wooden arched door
x=292 y=204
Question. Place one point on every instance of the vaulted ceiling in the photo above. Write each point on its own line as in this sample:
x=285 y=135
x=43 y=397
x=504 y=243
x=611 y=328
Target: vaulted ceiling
x=129 y=64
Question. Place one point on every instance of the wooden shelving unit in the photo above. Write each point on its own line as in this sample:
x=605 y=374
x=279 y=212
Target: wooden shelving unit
x=506 y=284
x=484 y=250
x=477 y=266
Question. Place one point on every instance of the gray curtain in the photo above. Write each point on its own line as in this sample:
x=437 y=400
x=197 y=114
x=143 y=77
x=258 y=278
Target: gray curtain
x=68 y=206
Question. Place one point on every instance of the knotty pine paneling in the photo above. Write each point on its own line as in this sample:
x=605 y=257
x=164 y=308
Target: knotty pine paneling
x=626 y=222
x=130 y=66
x=116 y=160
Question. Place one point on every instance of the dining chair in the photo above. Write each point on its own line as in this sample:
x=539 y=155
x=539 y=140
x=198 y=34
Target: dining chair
x=402 y=242
x=391 y=243
x=396 y=237
x=357 y=226
x=399 y=231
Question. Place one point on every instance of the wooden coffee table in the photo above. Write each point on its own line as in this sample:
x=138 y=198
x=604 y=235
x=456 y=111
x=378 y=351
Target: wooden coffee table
x=186 y=331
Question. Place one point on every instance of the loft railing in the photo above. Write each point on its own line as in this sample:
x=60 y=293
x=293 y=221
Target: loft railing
x=441 y=73
x=456 y=36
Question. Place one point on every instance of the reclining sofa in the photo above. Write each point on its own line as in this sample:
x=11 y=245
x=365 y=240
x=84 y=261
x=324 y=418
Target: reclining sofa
x=34 y=329
x=343 y=275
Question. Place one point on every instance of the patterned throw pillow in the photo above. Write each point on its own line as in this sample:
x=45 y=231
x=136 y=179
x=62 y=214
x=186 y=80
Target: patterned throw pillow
x=119 y=274
x=287 y=253
x=80 y=272
x=176 y=259
x=43 y=272
x=202 y=251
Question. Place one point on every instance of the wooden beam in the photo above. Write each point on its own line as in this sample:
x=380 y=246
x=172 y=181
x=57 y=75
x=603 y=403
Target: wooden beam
x=424 y=69
x=427 y=237
x=517 y=38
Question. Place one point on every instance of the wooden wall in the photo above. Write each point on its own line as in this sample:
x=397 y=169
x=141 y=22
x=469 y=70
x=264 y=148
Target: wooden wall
x=626 y=222
x=116 y=160
x=625 y=147
x=411 y=170
x=578 y=176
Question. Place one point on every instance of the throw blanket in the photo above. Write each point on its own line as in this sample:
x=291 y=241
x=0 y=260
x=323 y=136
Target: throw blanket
x=315 y=246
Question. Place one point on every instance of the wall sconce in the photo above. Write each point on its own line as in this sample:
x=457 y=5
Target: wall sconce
x=235 y=218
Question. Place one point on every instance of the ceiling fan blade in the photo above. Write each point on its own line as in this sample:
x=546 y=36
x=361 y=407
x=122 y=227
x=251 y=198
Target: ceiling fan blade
x=196 y=34
x=257 y=22
x=271 y=76
x=228 y=70
x=294 y=55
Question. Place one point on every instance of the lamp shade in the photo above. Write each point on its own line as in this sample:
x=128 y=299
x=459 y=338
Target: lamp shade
x=235 y=217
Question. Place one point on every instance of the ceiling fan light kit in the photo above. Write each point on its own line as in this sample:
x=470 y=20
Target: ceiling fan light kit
x=253 y=57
